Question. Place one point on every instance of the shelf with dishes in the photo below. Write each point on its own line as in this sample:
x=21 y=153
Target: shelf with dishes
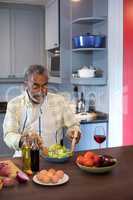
x=86 y=20
x=89 y=39
x=88 y=76
x=88 y=81
x=88 y=49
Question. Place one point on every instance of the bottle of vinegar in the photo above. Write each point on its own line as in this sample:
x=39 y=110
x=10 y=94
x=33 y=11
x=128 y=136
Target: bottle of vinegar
x=34 y=152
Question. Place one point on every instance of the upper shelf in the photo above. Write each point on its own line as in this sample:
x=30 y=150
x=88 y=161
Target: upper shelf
x=88 y=49
x=86 y=20
x=89 y=81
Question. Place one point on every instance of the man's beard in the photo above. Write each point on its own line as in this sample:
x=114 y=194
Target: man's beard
x=37 y=98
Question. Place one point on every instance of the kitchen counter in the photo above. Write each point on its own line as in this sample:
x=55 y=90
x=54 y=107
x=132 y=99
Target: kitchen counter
x=94 y=121
x=116 y=185
x=98 y=117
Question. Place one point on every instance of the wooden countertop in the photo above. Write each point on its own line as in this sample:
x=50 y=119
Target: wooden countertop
x=116 y=185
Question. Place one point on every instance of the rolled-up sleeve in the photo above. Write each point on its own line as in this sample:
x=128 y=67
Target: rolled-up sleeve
x=11 y=126
x=69 y=118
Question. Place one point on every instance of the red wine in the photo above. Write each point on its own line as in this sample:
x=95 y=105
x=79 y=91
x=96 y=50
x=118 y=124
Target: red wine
x=99 y=138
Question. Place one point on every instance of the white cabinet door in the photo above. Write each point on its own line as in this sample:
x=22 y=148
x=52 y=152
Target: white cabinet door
x=52 y=24
x=4 y=43
x=28 y=39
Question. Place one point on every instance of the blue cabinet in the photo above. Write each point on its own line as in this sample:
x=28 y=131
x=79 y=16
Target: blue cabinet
x=87 y=138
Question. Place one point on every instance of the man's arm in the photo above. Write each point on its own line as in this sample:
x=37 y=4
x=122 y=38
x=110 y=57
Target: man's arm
x=11 y=126
x=70 y=122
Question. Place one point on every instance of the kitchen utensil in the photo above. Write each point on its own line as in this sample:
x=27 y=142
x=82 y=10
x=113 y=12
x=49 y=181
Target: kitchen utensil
x=92 y=102
x=55 y=156
x=90 y=41
x=94 y=41
x=74 y=141
x=80 y=41
x=56 y=160
x=99 y=41
x=86 y=72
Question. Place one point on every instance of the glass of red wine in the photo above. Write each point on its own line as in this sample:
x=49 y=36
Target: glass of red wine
x=99 y=135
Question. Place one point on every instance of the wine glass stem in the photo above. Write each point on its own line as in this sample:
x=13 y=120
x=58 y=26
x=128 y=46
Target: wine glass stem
x=99 y=145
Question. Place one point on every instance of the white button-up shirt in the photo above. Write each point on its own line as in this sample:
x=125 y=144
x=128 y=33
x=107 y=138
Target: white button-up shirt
x=22 y=117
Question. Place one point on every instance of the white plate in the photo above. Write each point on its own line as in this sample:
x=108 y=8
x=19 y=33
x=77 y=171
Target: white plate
x=60 y=182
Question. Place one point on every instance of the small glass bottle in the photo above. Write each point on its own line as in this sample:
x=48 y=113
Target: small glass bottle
x=26 y=154
x=92 y=102
x=81 y=104
x=34 y=152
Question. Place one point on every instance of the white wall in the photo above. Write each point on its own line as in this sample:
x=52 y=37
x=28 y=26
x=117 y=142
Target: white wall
x=115 y=63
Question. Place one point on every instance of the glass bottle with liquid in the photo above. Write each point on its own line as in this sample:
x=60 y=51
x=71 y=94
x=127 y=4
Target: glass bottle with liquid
x=34 y=153
x=81 y=104
x=26 y=154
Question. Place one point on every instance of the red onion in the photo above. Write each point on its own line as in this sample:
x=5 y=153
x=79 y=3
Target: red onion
x=4 y=169
x=8 y=182
x=22 y=177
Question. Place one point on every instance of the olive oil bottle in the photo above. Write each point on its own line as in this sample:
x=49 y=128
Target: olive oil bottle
x=26 y=155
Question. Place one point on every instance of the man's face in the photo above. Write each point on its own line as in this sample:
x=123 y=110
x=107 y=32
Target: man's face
x=37 y=86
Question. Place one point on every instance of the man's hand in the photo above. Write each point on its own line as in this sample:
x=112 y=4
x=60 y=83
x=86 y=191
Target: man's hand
x=38 y=138
x=71 y=135
x=30 y=137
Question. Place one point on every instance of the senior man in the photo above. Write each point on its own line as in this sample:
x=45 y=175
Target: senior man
x=36 y=110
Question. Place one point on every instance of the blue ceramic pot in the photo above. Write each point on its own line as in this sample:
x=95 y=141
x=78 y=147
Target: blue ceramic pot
x=79 y=41
x=99 y=41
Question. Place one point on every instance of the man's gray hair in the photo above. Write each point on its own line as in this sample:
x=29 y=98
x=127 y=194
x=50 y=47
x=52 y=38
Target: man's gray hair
x=35 y=69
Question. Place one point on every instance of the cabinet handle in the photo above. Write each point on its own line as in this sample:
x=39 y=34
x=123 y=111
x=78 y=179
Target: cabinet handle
x=11 y=76
x=55 y=44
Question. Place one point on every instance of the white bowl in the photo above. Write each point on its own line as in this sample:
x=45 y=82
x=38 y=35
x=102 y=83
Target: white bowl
x=86 y=72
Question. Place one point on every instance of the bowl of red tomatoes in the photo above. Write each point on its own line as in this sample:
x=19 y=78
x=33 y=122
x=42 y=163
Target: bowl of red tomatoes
x=96 y=163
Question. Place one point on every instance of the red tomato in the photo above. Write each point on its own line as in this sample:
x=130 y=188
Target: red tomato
x=88 y=162
x=80 y=159
x=89 y=154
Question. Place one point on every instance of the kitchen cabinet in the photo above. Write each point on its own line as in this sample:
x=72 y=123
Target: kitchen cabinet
x=22 y=39
x=4 y=150
x=91 y=22
x=28 y=38
x=52 y=24
x=87 y=136
x=5 y=43
x=64 y=30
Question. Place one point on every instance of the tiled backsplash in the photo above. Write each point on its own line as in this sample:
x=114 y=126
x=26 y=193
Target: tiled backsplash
x=8 y=91
x=101 y=95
